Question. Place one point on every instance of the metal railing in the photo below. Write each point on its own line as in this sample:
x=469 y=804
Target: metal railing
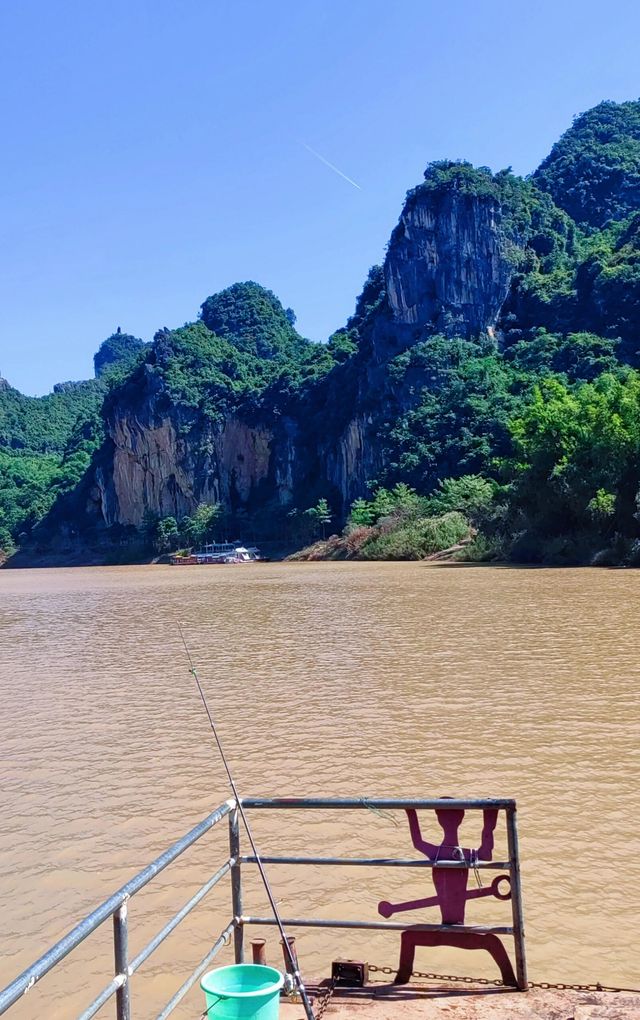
x=116 y=906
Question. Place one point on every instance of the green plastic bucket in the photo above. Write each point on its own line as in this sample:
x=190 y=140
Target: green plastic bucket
x=245 y=991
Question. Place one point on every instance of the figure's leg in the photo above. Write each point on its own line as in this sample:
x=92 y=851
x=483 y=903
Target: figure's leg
x=494 y=946
x=410 y=939
x=408 y=942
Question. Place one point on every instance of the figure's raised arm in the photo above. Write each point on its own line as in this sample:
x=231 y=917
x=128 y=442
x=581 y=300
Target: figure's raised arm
x=429 y=849
x=485 y=850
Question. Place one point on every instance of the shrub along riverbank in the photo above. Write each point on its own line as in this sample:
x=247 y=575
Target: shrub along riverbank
x=399 y=524
x=394 y=540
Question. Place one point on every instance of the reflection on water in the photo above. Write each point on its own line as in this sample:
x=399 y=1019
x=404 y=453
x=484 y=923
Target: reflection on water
x=327 y=679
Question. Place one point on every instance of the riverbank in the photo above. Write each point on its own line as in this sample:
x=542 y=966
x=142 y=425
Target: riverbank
x=112 y=556
x=400 y=536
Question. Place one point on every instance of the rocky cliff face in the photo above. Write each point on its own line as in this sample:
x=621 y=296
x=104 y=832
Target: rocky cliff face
x=149 y=472
x=447 y=270
x=151 y=468
x=352 y=459
x=160 y=459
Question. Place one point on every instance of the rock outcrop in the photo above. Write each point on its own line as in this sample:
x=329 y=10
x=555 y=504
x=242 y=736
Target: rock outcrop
x=447 y=268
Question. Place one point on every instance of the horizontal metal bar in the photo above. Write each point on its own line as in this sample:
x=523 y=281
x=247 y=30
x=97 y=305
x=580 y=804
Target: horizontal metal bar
x=388 y=803
x=381 y=862
x=297 y=922
x=25 y=981
x=222 y=940
x=145 y=953
x=180 y=916
x=104 y=996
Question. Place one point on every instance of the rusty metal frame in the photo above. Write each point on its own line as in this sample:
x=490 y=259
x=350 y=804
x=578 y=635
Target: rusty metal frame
x=508 y=805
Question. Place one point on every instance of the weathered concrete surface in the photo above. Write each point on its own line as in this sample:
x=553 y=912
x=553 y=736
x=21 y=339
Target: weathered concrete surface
x=415 y=1002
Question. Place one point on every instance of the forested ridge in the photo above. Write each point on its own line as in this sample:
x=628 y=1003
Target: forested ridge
x=46 y=443
x=518 y=441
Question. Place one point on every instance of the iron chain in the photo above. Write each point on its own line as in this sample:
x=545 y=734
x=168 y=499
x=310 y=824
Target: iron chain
x=428 y=976
x=564 y=986
x=320 y=1011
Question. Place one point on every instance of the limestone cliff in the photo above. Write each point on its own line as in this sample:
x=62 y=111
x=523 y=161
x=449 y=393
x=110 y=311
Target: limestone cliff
x=157 y=461
x=447 y=267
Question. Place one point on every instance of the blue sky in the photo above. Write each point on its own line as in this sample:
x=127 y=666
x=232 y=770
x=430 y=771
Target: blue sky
x=154 y=152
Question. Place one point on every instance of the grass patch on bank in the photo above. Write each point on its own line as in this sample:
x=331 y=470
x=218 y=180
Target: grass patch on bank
x=416 y=539
x=394 y=538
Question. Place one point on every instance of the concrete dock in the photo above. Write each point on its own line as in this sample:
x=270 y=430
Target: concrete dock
x=439 y=1002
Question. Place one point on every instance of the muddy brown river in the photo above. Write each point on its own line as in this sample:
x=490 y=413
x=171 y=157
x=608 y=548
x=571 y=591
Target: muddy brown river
x=399 y=680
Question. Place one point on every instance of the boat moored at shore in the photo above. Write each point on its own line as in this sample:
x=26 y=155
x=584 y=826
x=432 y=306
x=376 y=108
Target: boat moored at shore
x=219 y=552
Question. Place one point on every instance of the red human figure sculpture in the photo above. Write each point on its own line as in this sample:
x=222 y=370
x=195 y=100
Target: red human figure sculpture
x=452 y=893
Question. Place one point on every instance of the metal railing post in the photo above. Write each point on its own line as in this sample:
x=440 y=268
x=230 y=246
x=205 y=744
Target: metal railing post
x=121 y=954
x=236 y=884
x=516 y=899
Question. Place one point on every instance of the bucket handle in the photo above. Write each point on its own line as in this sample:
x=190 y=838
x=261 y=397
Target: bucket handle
x=219 y=998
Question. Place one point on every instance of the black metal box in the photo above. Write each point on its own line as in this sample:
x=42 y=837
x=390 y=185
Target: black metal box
x=349 y=973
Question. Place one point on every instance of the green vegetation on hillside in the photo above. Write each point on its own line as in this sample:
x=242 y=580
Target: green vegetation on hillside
x=398 y=524
x=44 y=424
x=567 y=492
x=120 y=351
x=202 y=372
x=574 y=477
x=205 y=376
x=469 y=394
x=553 y=429
x=607 y=285
x=46 y=443
x=593 y=171
x=254 y=321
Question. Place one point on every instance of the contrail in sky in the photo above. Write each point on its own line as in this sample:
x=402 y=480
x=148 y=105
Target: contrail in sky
x=331 y=166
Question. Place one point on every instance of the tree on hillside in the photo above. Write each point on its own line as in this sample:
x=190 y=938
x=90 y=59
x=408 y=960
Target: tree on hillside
x=321 y=515
x=198 y=527
x=576 y=467
x=120 y=349
x=167 y=535
x=593 y=171
x=252 y=319
x=361 y=514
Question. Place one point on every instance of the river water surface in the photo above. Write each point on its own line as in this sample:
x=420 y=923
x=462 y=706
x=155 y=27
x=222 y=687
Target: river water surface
x=399 y=680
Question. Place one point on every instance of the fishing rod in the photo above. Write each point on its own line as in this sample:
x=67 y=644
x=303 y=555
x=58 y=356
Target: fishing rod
x=297 y=977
